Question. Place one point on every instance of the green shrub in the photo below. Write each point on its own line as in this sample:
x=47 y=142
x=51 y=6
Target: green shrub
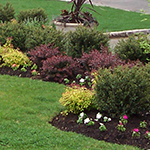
x=7 y=12
x=38 y=36
x=27 y=37
x=32 y=14
x=10 y=56
x=124 y=90
x=76 y=99
x=15 y=30
x=133 y=48
x=84 y=40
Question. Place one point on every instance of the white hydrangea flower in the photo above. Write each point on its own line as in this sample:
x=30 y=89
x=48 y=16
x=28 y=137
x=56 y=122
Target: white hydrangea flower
x=87 y=120
x=98 y=116
x=82 y=80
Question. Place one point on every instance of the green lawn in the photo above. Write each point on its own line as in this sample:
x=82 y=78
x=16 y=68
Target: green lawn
x=109 y=20
x=26 y=106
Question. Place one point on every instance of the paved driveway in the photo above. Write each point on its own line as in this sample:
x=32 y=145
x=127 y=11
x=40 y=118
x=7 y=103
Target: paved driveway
x=130 y=5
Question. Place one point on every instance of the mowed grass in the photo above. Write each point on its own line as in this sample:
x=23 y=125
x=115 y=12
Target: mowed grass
x=109 y=19
x=26 y=106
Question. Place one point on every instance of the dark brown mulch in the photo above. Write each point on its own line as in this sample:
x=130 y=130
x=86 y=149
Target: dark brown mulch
x=112 y=135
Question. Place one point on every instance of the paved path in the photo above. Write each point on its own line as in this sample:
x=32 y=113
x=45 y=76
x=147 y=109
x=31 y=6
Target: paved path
x=129 y=5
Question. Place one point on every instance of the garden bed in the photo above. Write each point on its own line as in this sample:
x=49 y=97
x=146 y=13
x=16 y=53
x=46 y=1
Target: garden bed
x=112 y=135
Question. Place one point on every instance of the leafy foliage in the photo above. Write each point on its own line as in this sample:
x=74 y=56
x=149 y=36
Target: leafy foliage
x=83 y=40
x=29 y=15
x=76 y=15
x=133 y=48
x=59 y=67
x=123 y=90
x=7 y=12
x=15 y=30
x=42 y=52
x=95 y=60
x=27 y=37
x=10 y=56
x=76 y=99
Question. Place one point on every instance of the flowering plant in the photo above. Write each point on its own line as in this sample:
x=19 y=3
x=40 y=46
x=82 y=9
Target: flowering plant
x=98 y=116
x=88 y=122
x=135 y=132
x=102 y=127
x=34 y=72
x=82 y=81
x=106 y=119
x=147 y=134
x=120 y=127
x=124 y=119
x=143 y=124
x=14 y=67
x=81 y=117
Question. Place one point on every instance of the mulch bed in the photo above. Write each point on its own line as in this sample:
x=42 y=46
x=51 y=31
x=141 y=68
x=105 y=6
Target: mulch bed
x=112 y=135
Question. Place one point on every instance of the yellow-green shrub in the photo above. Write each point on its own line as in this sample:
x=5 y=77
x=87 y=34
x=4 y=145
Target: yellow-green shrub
x=10 y=56
x=77 y=99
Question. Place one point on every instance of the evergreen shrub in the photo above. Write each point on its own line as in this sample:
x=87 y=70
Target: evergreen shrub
x=133 y=48
x=83 y=40
x=37 y=14
x=123 y=90
x=27 y=37
x=7 y=12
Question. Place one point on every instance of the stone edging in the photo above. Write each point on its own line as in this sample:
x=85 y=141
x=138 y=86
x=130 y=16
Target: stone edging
x=127 y=33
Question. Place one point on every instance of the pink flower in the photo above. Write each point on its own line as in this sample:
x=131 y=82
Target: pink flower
x=125 y=117
x=33 y=71
x=14 y=65
x=120 y=123
x=146 y=132
x=136 y=130
x=43 y=26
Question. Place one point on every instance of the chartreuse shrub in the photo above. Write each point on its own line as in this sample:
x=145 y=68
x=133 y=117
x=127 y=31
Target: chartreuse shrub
x=7 y=12
x=76 y=99
x=37 y=14
x=84 y=40
x=123 y=90
x=134 y=48
x=12 y=57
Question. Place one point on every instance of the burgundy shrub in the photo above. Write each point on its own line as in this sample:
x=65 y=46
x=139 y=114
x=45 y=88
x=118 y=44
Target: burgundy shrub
x=95 y=60
x=42 y=52
x=59 y=67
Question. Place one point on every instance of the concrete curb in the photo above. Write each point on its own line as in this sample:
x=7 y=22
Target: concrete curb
x=127 y=33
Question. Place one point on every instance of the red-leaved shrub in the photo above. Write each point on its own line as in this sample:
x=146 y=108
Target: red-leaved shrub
x=95 y=60
x=59 y=67
x=42 y=52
